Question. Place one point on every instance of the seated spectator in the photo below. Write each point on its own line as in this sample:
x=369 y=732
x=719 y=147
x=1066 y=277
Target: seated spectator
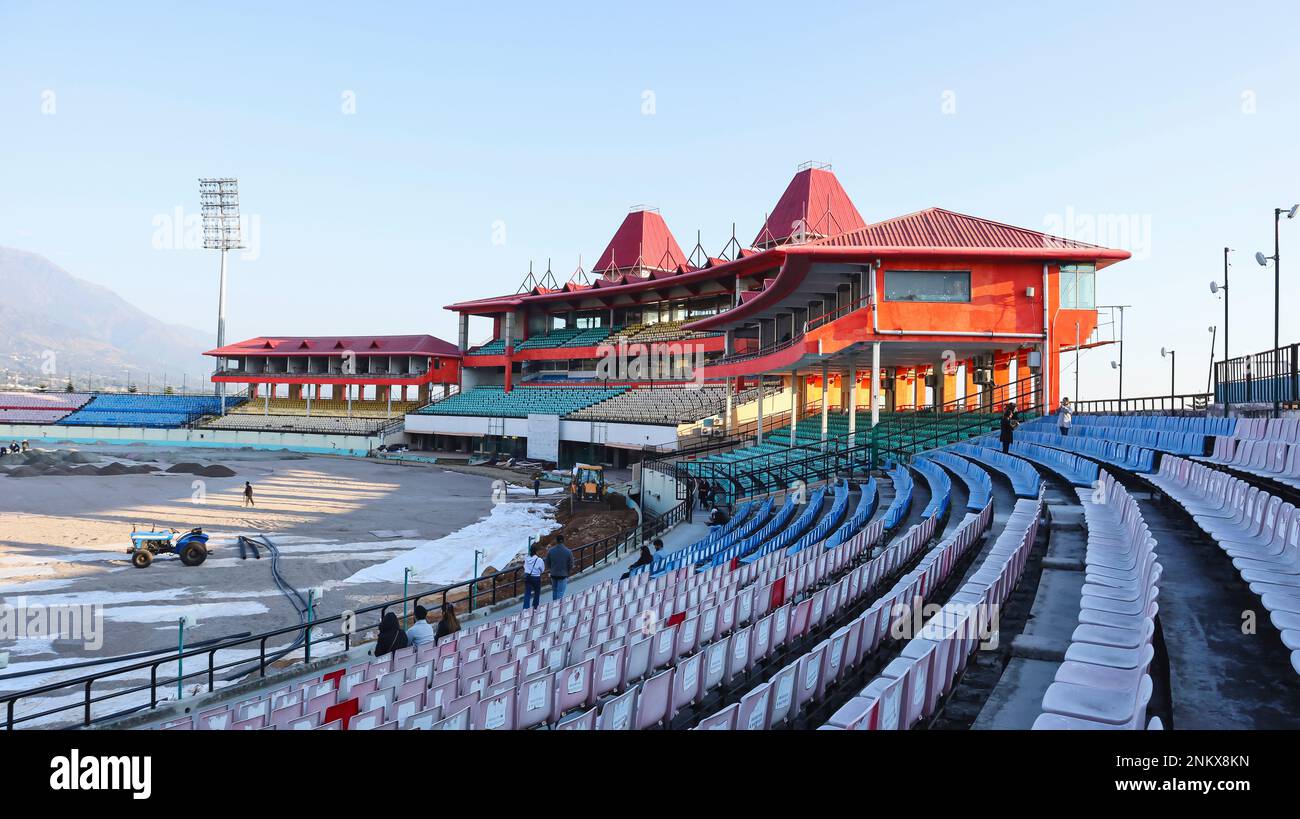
x=717 y=517
x=448 y=624
x=643 y=559
x=421 y=631
x=391 y=636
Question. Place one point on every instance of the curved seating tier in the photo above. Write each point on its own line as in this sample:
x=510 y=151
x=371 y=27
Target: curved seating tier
x=940 y=487
x=741 y=526
x=902 y=502
x=777 y=524
x=1078 y=471
x=493 y=401
x=803 y=527
x=979 y=486
x=1180 y=439
x=1257 y=530
x=1025 y=480
x=1277 y=459
x=911 y=687
x=868 y=499
x=1103 y=682
x=1132 y=457
x=1183 y=424
x=137 y=410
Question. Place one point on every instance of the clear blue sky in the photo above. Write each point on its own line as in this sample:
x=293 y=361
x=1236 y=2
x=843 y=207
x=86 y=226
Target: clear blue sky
x=1179 y=120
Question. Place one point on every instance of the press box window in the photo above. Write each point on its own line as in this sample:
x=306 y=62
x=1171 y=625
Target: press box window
x=1077 y=291
x=927 y=285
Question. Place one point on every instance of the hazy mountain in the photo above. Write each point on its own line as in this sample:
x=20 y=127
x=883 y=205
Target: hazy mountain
x=51 y=320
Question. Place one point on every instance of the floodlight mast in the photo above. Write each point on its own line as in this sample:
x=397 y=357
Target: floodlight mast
x=219 y=200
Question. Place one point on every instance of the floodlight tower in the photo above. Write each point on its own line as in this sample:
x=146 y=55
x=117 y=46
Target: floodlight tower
x=219 y=199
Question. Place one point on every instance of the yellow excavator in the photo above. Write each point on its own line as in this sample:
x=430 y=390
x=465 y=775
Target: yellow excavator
x=588 y=484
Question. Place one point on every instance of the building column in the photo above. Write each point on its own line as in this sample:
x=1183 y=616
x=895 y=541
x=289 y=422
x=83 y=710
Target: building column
x=729 y=388
x=851 y=382
x=826 y=388
x=760 y=408
x=875 y=383
x=463 y=332
x=939 y=383
x=794 y=405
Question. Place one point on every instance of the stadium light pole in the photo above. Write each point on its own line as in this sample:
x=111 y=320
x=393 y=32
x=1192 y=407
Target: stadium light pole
x=1120 y=365
x=1209 y=376
x=219 y=200
x=1173 y=358
x=1277 y=295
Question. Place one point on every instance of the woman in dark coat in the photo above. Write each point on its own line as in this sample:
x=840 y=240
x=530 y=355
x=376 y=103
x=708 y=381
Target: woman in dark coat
x=448 y=624
x=391 y=636
x=1008 y=423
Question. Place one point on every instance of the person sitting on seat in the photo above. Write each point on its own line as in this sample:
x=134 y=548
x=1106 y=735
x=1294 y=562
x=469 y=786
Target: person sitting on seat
x=421 y=632
x=643 y=559
x=717 y=517
x=448 y=624
x=391 y=636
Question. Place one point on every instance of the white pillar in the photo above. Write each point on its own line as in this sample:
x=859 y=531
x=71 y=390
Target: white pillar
x=852 y=385
x=826 y=388
x=760 y=408
x=794 y=406
x=875 y=383
x=729 y=387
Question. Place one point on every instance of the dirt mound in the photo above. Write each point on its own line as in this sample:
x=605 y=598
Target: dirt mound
x=80 y=458
x=23 y=472
x=83 y=470
x=56 y=470
x=191 y=468
x=215 y=471
x=112 y=469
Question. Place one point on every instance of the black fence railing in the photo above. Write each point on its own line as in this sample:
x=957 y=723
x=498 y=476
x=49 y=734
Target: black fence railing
x=1259 y=378
x=1191 y=403
x=205 y=667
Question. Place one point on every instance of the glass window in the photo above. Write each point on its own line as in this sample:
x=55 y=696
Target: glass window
x=1078 y=286
x=927 y=285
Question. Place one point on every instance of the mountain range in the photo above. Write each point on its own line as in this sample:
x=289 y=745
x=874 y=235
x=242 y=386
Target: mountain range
x=55 y=327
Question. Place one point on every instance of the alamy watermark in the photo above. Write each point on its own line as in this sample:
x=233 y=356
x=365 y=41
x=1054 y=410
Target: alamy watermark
x=20 y=620
x=657 y=361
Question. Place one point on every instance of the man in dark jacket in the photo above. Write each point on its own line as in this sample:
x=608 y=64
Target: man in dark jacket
x=1007 y=424
x=559 y=562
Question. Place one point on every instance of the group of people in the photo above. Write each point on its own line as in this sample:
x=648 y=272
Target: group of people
x=1009 y=422
x=14 y=447
x=558 y=562
x=421 y=632
x=704 y=493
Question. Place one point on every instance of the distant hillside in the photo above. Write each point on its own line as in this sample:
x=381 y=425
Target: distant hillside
x=45 y=309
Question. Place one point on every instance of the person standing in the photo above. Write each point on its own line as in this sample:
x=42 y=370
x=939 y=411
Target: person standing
x=559 y=562
x=533 y=568
x=537 y=486
x=248 y=494
x=1064 y=416
x=1006 y=425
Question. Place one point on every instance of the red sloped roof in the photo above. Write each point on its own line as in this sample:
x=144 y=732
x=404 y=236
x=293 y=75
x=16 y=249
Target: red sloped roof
x=643 y=240
x=939 y=228
x=818 y=198
x=337 y=345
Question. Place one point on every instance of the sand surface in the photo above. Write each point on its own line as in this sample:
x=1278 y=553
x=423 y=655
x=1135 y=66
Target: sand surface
x=63 y=539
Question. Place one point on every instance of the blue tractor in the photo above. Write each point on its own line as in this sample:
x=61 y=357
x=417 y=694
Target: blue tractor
x=191 y=547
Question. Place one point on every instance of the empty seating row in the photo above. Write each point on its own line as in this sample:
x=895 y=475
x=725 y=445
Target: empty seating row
x=979 y=486
x=1075 y=469
x=780 y=699
x=1025 y=480
x=810 y=528
x=137 y=410
x=1166 y=440
x=297 y=423
x=1103 y=682
x=1132 y=457
x=1277 y=429
x=902 y=502
x=1258 y=530
x=868 y=501
x=1271 y=458
x=911 y=687
x=706 y=548
x=940 y=487
x=779 y=523
x=329 y=407
x=659 y=405
x=493 y=401
x=38 y=407
x=1192 y=424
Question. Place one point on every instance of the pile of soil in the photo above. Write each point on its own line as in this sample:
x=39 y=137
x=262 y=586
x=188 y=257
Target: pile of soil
x=211 y=471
